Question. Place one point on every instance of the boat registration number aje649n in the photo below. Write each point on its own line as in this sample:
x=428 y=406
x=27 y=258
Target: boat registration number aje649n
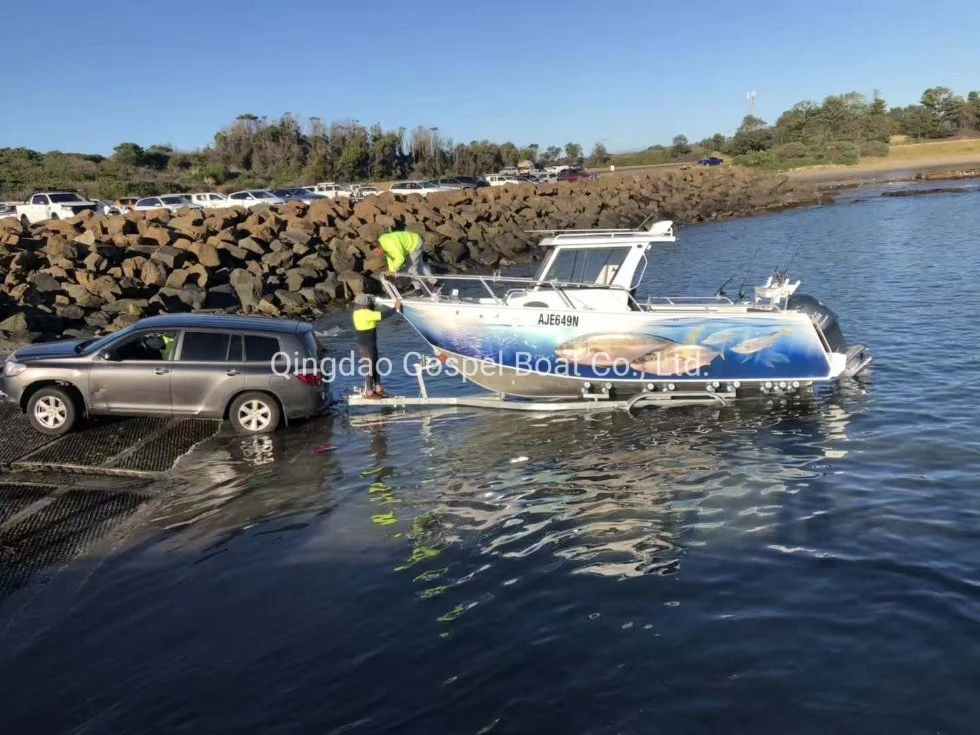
x=558 y=320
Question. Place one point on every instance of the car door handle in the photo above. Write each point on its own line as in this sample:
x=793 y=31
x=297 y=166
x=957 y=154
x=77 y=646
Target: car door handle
x=233 y=372
x=161 y=371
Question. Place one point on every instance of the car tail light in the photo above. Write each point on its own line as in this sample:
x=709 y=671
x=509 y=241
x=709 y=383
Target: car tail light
x=313 y=379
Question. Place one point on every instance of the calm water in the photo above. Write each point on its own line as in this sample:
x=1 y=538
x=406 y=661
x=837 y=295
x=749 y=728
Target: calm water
x=762 y=568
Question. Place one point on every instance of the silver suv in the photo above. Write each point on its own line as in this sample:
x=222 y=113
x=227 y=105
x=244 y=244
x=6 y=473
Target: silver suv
x=253 y=371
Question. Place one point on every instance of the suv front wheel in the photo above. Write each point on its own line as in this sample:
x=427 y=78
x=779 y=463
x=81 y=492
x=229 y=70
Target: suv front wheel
x=254 y=413
x=52 y=411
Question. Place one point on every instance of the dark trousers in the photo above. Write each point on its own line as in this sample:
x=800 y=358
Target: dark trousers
x=367 y=349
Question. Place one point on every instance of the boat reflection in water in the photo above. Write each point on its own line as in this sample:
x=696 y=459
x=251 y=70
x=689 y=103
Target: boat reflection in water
x=616 y=495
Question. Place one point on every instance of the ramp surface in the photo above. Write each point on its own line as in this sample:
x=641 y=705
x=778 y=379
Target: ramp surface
x=139 y=447
x=60 y=525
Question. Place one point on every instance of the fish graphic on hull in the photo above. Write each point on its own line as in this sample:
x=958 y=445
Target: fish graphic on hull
x=606 y=350
x=682 y=349
x=758 y=344
x=676 y=360
x=721 y=338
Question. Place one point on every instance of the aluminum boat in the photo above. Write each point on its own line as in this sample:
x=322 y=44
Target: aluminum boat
x=577 y=329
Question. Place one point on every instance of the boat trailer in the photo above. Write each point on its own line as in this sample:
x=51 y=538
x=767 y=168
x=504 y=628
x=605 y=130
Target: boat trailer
x=590 y=402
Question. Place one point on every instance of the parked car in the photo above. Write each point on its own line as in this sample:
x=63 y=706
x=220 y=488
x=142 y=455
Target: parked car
x=183 y=365
x=253 y=197
x=463 y=182
x=107 y=208
x=170 y=202
x=299 y=194
x=125 y=204
x=8 y=209
x=363 y=190
x=44 y=205
x=330 y=190
x=422 y=188
x=502 y=179
x=711 y=161
x=210 y=199
x=575 y=174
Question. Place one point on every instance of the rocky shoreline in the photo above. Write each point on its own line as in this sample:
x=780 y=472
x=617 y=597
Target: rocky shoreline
x=92 y=273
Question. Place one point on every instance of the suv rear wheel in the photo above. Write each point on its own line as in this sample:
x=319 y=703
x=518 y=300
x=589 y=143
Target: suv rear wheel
x=254 y=413
x=52 y=411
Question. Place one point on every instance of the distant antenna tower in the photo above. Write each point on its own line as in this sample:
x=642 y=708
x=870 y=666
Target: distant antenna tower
x=751 y=98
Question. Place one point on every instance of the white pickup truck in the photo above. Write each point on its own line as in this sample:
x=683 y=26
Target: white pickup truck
x=45 y=205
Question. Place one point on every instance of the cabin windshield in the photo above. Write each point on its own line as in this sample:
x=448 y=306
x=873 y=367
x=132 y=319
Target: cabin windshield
x=585 y=265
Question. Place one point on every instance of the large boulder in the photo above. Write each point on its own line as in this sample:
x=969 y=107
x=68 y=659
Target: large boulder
x=43 y=282
x=125 y=306
x=353 y=282
x=96 y=263
x=85 y=238
x=169 y=257
x=82 y=296
x=159 y=236
x=153 y=273
x=248 y=288
x=296 y=278
x=277 y=259
x=207 y=255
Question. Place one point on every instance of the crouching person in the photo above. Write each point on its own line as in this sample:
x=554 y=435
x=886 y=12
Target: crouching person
x=367 y=315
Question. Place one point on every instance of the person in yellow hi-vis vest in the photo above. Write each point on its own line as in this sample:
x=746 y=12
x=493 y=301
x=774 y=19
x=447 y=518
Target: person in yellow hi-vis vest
x=401 y=246
x=367 y=315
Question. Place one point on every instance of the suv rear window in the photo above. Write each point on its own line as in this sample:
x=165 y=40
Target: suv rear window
x=204 y=347
x=260 y=349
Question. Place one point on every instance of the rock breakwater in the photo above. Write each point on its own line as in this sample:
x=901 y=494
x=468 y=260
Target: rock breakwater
x=93 y=273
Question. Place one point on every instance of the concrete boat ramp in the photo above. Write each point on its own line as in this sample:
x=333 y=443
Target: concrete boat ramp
x=57 y=496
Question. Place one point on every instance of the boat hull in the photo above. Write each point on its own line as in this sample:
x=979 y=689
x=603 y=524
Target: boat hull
x=545 y=352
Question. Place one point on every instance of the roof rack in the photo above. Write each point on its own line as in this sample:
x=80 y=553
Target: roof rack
x=660 y=231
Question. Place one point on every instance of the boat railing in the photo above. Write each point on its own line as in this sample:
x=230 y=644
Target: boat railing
x=518 y=283
x=488 y=281
x=667 y=229
x=688 y=300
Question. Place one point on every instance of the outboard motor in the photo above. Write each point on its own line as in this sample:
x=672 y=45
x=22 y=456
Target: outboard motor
x=822 y=317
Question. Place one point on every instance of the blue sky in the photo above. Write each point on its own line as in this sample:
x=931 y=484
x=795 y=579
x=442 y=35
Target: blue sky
x=86 y=76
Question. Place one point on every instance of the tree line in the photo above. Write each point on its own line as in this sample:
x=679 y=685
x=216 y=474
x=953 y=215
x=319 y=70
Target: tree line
x=258 y=152
x=255 y=151
x=844 y=127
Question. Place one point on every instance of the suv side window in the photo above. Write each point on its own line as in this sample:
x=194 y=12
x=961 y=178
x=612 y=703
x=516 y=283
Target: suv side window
x=235 y=348
x=204 y=347
x=260 y=349
x=153 y=346
x=39 y=199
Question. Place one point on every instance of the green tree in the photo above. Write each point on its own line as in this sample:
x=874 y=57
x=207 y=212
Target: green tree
x=128 y=154
x=680 y=146
x=973 y=100
x=943 y=104
x=920 y=122
x=751 y=123
x=509 y=154
x=551 y=155
x=599 y=155
x=573 y=153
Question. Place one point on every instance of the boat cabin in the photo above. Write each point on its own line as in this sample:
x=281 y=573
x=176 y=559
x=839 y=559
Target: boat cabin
x=592 y=269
